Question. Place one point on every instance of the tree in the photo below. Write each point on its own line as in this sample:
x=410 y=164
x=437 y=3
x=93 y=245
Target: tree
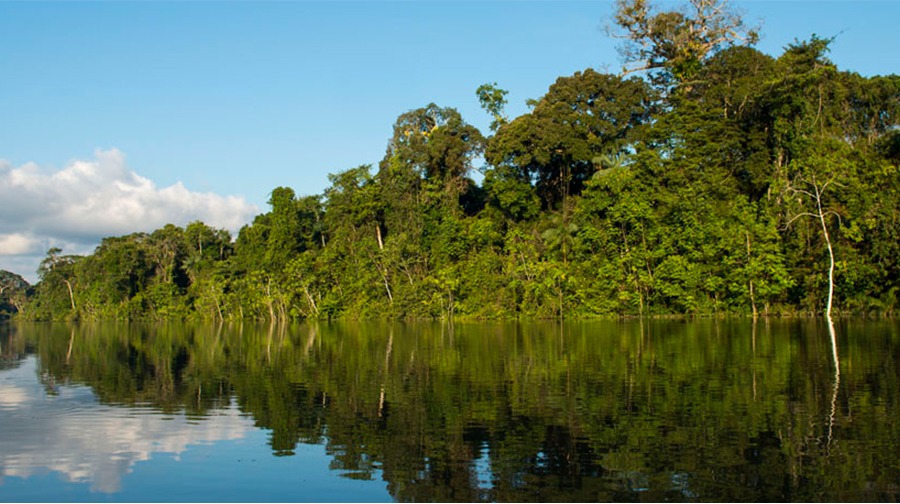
x=817 y=176
x=13 y=292
x=673 y=45
x=729 y=98
x=514 y=197
x=581 y=117
x=492 y=100
x=284 y=239
x=353 y=260
x=119 y=269
x=825 y=130
x=58 y=269
x=167 y=253
x=354 y=199
x=435 y=143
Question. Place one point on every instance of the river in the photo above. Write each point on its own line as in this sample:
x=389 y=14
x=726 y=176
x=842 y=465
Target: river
x=661 y=410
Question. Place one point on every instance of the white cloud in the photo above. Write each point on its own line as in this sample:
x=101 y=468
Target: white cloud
x=17 y=244
x=86 y=201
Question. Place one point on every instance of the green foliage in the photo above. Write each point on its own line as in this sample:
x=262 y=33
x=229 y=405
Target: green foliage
x=751 y=185
x=492 y=100
x=14 y=292
x=674 y=45
x=581 y=117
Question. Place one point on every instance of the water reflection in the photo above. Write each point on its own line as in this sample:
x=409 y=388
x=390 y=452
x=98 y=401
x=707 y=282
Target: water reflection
x=69 y=433
x=710 y=410
x=837 y=377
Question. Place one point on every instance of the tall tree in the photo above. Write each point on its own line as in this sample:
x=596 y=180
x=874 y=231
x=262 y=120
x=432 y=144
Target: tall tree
x=13 y=292
x=284 y=240
x=493 y=100
x=436 y=142
x=673 y=45
x=581 y=117
x=55 y=271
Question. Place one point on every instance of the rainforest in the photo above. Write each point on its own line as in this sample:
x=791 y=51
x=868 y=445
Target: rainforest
x=706 y=178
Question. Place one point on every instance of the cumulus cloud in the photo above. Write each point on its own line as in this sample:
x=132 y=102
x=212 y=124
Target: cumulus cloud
x=16 y=244
x=87 y=200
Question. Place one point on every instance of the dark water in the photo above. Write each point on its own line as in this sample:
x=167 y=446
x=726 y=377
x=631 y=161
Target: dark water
x=652 y=411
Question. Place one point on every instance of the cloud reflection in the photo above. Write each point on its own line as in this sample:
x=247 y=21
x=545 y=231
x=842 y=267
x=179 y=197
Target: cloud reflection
x=71 y=434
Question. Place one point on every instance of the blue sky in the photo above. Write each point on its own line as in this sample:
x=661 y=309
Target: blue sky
x=126 y=115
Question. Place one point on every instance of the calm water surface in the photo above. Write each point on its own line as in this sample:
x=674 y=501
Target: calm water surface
x=629 y=411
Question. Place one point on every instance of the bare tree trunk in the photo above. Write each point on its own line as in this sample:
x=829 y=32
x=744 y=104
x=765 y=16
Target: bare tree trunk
x=830 y=254
x=216 y=299
x=269 y=302
x=71 y=294
x=640 y=292
x=382 y=269
x=752 y=297
x=820 y=214
x=312 y=302
x=378 y=235
x=559 y=295
x=387 y=287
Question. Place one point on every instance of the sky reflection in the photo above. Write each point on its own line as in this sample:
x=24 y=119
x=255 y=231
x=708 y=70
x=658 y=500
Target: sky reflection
x=63 y=429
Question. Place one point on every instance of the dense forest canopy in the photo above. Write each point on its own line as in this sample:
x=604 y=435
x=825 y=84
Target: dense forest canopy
x=708 y=178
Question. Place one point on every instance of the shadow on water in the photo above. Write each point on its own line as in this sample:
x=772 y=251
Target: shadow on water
x=643 y=410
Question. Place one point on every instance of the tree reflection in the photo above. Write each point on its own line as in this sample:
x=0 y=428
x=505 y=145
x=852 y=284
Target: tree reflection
x=837 y=377
x=661 y=410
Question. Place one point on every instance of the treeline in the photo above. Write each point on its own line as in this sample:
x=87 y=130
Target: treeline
x=725 y=181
